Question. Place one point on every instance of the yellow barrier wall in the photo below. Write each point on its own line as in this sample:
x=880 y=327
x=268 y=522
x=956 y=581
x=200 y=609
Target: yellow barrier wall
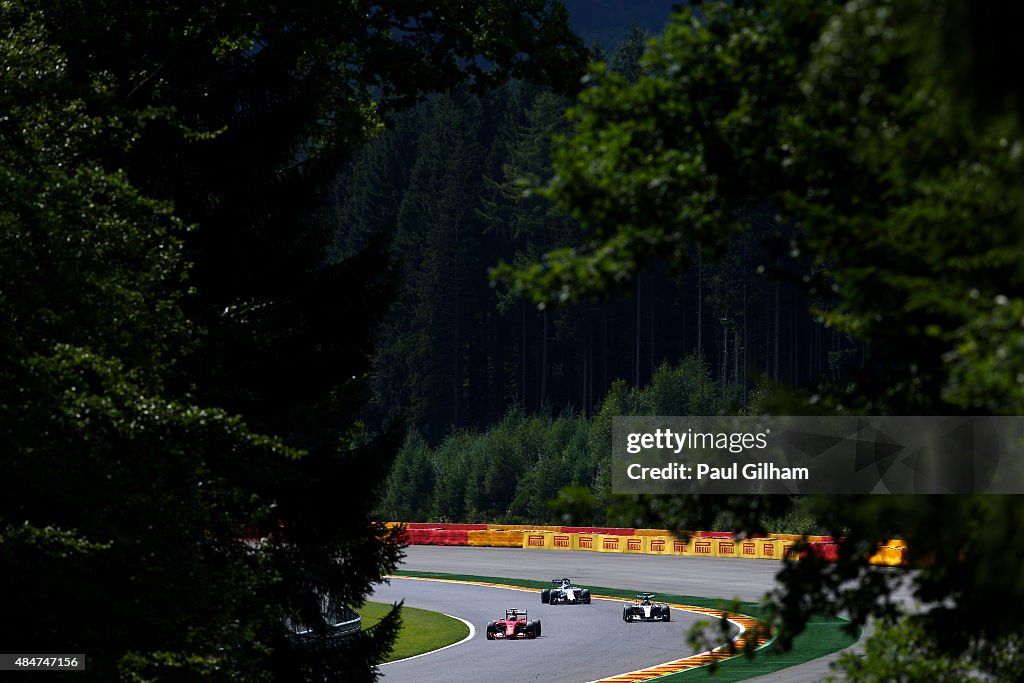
x=797 y=537
x=521 y=527
x=890 y=556
x=635 y=544
x=656 y=545
x=725 y=547
x=665 y=545
x=497 y=539
x=537 y=539
x=606 y=543
x=562 y=541
x=748 y=549
x=772 y=548
x=658 y=542
x=701 y=547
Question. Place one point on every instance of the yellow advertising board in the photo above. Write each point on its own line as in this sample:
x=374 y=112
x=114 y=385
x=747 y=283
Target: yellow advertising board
x=634 y=544
x=562 y=541
x=498 y=539
x=772 y=548
x=659 y=545
x=702 y=547
x=537 y=540
x=748 y=549
x=607 y=543
x=725 y=547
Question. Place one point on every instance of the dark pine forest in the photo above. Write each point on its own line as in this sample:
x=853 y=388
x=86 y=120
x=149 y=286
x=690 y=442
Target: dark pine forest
x=453 y=188
x=450 y=187
x=275 y=273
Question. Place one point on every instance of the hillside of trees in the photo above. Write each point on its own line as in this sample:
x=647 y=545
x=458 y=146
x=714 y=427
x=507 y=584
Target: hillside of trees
x=514 y=469
x=887 y=135
x=822 y=196
x=250 y=253
x=454 y=188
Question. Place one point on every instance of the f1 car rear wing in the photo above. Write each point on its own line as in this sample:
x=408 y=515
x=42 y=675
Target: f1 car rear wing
x=645 y=596
x=514 y=614
x=561 y=582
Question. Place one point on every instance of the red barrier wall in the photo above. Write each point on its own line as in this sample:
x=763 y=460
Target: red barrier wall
x=435 y=537
x=611 y=531
x=826 y=551
x=447 y=527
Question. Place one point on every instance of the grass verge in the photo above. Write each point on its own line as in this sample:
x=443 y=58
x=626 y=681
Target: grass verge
x=422 y=630
x=823 y=636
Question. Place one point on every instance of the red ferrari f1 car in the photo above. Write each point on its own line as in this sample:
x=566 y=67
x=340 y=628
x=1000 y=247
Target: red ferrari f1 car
x=514 y=625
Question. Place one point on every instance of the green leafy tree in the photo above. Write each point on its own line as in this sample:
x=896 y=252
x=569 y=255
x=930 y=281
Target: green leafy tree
x=907 y=200
x=119 y=527
x=125 y=495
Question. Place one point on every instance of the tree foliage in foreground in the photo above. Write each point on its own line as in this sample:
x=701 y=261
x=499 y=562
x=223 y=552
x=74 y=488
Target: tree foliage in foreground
x=178 y=368
x=851 y=123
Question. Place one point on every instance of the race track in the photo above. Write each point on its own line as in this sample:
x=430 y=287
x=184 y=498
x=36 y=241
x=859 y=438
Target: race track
x=573 y=648
x=578 y=642
x=706 y=576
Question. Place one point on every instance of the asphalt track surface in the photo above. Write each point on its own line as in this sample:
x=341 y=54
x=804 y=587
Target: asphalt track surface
x=704 y=576
x=577 y=643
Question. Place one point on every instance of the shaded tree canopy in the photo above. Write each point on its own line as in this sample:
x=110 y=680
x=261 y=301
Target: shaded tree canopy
x=836 y=118
x=180 y=369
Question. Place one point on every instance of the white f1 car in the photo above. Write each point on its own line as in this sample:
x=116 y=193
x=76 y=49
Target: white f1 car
x=644 y=609
x=565 y=592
